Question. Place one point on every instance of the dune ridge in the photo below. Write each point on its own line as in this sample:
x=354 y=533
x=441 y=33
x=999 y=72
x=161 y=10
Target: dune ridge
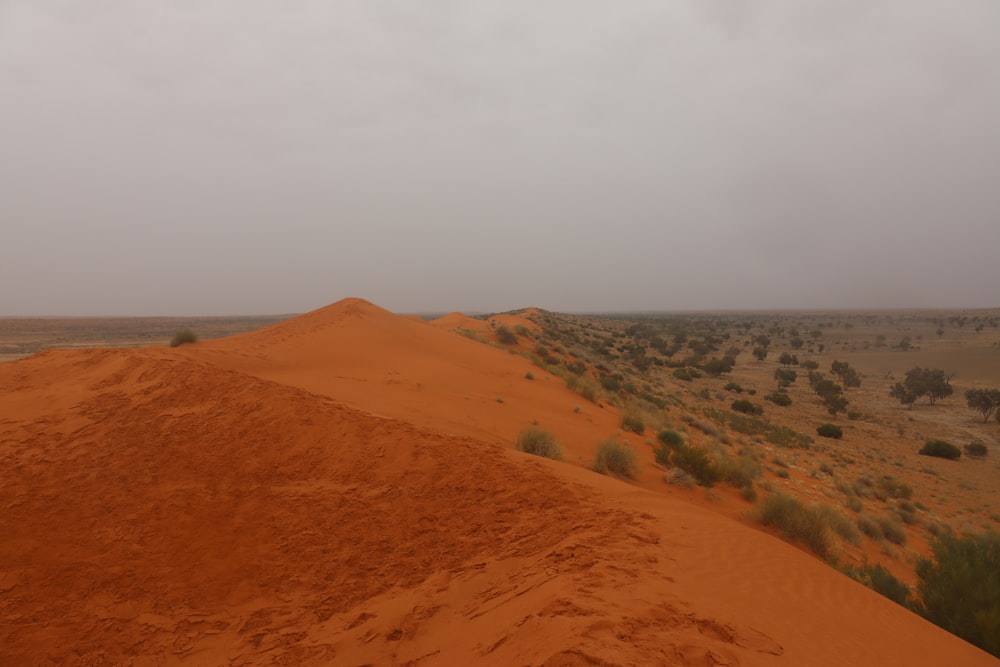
x=228 y=503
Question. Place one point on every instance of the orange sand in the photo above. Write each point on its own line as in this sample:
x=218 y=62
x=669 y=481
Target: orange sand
x=340 y=489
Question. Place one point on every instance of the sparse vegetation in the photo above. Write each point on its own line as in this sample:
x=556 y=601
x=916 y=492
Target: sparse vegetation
x=540 y=443
x=983 y=401
x=779 y=399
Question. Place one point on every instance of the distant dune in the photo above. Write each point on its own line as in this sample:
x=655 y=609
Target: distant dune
x=341 y=488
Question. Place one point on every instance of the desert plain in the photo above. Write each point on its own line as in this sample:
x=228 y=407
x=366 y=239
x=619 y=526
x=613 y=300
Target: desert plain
x=343 y=487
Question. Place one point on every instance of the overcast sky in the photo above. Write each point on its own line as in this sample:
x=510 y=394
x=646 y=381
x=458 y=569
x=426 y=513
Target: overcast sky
x=252 y=156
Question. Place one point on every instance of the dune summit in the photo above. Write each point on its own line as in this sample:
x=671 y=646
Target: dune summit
x=341 y=488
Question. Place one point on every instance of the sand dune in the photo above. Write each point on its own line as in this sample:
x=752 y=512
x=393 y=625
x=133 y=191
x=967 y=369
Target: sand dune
x=339 y=489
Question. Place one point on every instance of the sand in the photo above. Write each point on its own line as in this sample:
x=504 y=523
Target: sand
x=341 y=488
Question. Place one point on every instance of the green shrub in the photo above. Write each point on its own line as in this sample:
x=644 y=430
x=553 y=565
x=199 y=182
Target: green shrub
x=668 y=437
x=539 y=442
x=747 y=407
x=941 y=449
x=529 y=376
x=733 y=387
x=960 y=589
x=880 y=580
x=683 y=374
x=615 y=458
x=976 y=450
x=697 y=463
x=797 y=522
x=830 y=431
x=779 y=399
x=182 y=337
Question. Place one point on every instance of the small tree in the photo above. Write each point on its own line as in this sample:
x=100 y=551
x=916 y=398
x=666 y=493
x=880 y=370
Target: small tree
x=760 y=353
x=788 y=359
x=983 y=401
x=848 y=376
x=785 y=377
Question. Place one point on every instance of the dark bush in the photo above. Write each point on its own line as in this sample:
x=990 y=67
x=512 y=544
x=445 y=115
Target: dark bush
x=733 y=387
x=182 y=337
x=941 y=449
x=880 y=580
x=976 y=450
x=960 y=589
x=782 y=400
x=747 y=407
x=668 y=437
x=830 y=431
x=683 y=374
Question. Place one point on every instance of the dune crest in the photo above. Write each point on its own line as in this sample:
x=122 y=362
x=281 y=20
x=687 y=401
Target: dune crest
x=240 y=502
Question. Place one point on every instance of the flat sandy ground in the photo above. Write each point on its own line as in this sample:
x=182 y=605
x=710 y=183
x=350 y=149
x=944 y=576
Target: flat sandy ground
x=342 y=488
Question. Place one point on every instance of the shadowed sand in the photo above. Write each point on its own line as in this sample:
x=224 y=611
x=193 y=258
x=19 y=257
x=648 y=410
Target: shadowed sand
x=340 y=489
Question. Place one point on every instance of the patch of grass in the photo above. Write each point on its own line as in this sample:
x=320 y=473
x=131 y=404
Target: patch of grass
x=798 y=523
x=183 y=337
x=615 y=458
x=539 y=442
x=778 y=435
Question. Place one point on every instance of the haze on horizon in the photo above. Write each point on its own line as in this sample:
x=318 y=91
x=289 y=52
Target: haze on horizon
x=237 y=157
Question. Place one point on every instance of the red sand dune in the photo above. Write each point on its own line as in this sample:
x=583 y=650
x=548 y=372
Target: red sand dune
x=254 y=501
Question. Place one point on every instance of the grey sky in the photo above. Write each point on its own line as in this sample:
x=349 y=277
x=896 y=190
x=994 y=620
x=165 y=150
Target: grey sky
x=251 y=156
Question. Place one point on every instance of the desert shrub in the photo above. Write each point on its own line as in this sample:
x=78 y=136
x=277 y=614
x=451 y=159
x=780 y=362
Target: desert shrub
x=839 y=522
x=706 y=428
x=506 y=336
x=529 y=375
x=960 y=588
x=941 y=449
x=976 y=450
x=747 y=407
x=615 y=458
x=782 y=473
x=880 y=580
x=669 y=437
x=697 y=463
x=739 y=472
x=868 y=525
x=683 y=374
x=749 y=493
x=678 y=477
x=830 y=431
x=853 y=503
x=797 y=522
x=892 y=529
x=779 y=399
x=893 y=488
x=182 y=337
x=539 y=442
x=633 y=422
x=733 y=387
x=809 y=365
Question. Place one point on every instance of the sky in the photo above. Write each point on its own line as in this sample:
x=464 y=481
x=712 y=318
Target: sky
x=199 y=157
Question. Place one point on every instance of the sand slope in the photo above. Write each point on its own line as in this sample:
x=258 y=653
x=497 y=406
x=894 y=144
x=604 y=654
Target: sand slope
x=166 y=507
